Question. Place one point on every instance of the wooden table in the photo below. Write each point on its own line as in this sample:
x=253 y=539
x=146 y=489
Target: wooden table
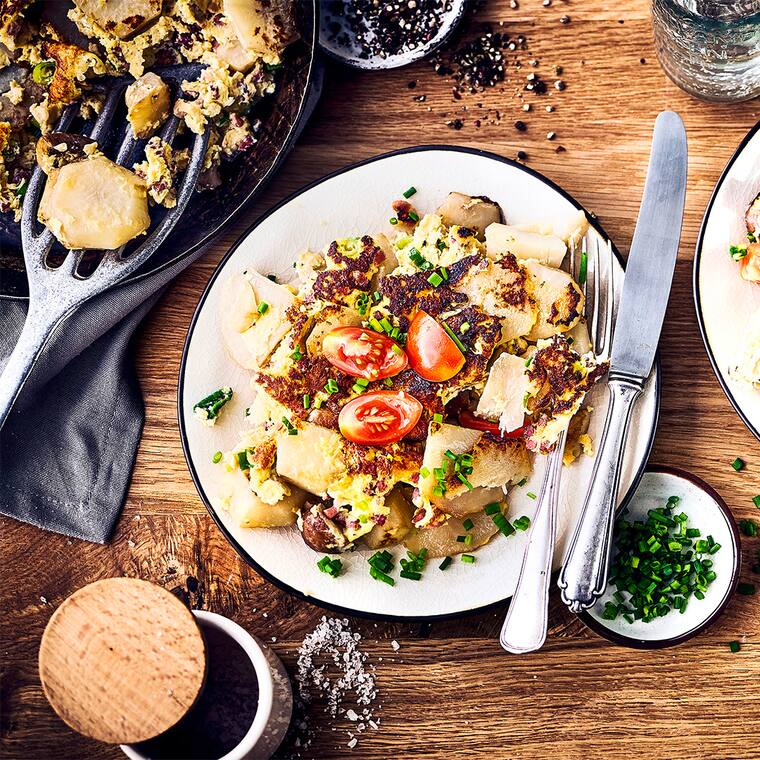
x=450 y=691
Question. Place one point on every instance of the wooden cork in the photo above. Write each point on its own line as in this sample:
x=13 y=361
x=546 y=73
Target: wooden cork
x=122 y=660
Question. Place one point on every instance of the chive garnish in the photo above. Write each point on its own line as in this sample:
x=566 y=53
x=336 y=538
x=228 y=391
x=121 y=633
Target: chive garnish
x=746 y=589
x=467 y=524
x=583 y=268
x=410 y=192
x=468 y=559
x=330 y=566
x=445 y=563
x=454 y=337
x=756 y=501
x=493 y=508
x=748 y=527
x=396 y=350
x=734 y=646
x=522 y=523
x=306 y=401
x=437 y=417
x=435 y=279
x=738 y=464
x=217 y=457
x=531 y=495
x=242 y=460
x=414 y=216
x=393 y=220
x=263 y=307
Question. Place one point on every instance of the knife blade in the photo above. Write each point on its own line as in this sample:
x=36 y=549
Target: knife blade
x=646 y=290
x=652 y=260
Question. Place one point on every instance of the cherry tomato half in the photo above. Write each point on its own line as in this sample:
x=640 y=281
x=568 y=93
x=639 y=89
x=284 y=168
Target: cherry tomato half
x=363 y=353
x=469 y=420
x=432 y=353
x=380 y=417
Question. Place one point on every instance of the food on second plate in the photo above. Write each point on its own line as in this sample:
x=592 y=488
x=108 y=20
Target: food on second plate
x=405 y=381
x=747 y=255
x=240 y=42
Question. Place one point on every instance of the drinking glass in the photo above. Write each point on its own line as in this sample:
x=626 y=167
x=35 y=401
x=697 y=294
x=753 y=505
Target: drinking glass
x=710 y=48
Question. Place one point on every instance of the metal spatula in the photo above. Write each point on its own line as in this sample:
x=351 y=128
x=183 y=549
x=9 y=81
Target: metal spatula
x=56 y=292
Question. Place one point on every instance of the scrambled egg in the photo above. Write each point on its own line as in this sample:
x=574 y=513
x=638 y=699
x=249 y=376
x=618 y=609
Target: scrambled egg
x=240 y=43
x=494 y=305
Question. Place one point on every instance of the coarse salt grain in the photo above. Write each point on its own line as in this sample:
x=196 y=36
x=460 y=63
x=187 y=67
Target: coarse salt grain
x=332 y=643
x=396 y=646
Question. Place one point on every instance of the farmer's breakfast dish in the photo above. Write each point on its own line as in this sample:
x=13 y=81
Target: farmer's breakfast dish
x=238 y=42
x=405 y=379
x=747 y=255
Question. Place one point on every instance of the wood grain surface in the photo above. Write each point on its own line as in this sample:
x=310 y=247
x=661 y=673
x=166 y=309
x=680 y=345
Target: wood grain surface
x=450 y=691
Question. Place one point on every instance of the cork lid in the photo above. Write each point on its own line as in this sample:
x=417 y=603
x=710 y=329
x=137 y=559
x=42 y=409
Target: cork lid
x=122 y=660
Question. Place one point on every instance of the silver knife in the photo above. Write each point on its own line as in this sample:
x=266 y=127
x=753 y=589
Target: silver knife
x=646 y=289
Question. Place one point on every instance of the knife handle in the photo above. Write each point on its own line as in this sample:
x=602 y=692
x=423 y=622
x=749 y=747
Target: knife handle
x=584 y=576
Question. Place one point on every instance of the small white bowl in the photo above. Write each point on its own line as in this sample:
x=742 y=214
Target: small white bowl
x=275 y=699
x=708 y=512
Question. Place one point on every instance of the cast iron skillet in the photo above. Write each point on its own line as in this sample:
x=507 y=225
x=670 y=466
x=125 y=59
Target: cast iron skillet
x=283 y=116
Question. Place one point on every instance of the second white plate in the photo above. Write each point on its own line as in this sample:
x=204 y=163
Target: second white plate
x=356 y=201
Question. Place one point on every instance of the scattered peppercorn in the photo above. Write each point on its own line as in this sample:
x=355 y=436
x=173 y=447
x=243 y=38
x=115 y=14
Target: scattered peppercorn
x=520 y=126
x=564 y=19
x=522 y=155
x=560 y=85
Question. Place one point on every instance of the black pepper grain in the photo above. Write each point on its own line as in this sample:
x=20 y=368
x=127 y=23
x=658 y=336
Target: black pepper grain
x=520 y=126
x=522 y=155
x=564 y=19
x=382 y=29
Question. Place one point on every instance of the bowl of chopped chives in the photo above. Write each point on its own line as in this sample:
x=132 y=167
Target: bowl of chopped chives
x=675 y=563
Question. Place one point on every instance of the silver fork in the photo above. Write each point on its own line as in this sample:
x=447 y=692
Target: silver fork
x=55 y=293
x=526 y=623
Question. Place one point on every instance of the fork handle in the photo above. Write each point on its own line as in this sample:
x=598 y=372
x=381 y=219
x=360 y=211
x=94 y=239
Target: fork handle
x=37 y=329
x=525 y=626
x=584 y=576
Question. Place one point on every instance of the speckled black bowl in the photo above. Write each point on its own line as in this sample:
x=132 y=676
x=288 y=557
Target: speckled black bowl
x=282 y=115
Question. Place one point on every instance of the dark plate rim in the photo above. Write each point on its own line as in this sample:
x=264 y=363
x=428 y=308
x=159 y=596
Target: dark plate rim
x=670 y=641
x=695 y=282
x=312 y=78
x=201 y=302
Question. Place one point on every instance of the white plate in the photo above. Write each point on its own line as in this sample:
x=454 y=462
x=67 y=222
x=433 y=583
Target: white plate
x=357 y=201
x=706 y=511
x=725 y=302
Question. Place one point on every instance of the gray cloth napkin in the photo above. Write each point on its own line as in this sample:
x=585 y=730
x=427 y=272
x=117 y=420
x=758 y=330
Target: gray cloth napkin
x=68 y=448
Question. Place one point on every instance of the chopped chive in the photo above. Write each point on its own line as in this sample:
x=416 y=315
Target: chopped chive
x=523 y=482
x=531 y=495
x=357 y=388
x=454 y=337
x=375 y=324
x=468 y=559
x=468 y=539
x=414 y=216
x=263 y=307
x=467 y=524
x=424 y=472
x=756 y=501
x=396 y=350
x=748 y=528
x=393 y=220
x=738 y=464
x=306 y=401
x=522 y=523
x=379 y=575
x=410 y=192
x=242 y=460
x=440 y=245
x=493 y=508
x=444 y=273
x=331 y=386
x=217 y=457
x=460 y=539
x=583 y=268
x=362 y=382
x=445 y=563
x=412 y=575
x=464 y=327
x=435 y=279
x=746 y=589
x=734 y=646
x=438 y=417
